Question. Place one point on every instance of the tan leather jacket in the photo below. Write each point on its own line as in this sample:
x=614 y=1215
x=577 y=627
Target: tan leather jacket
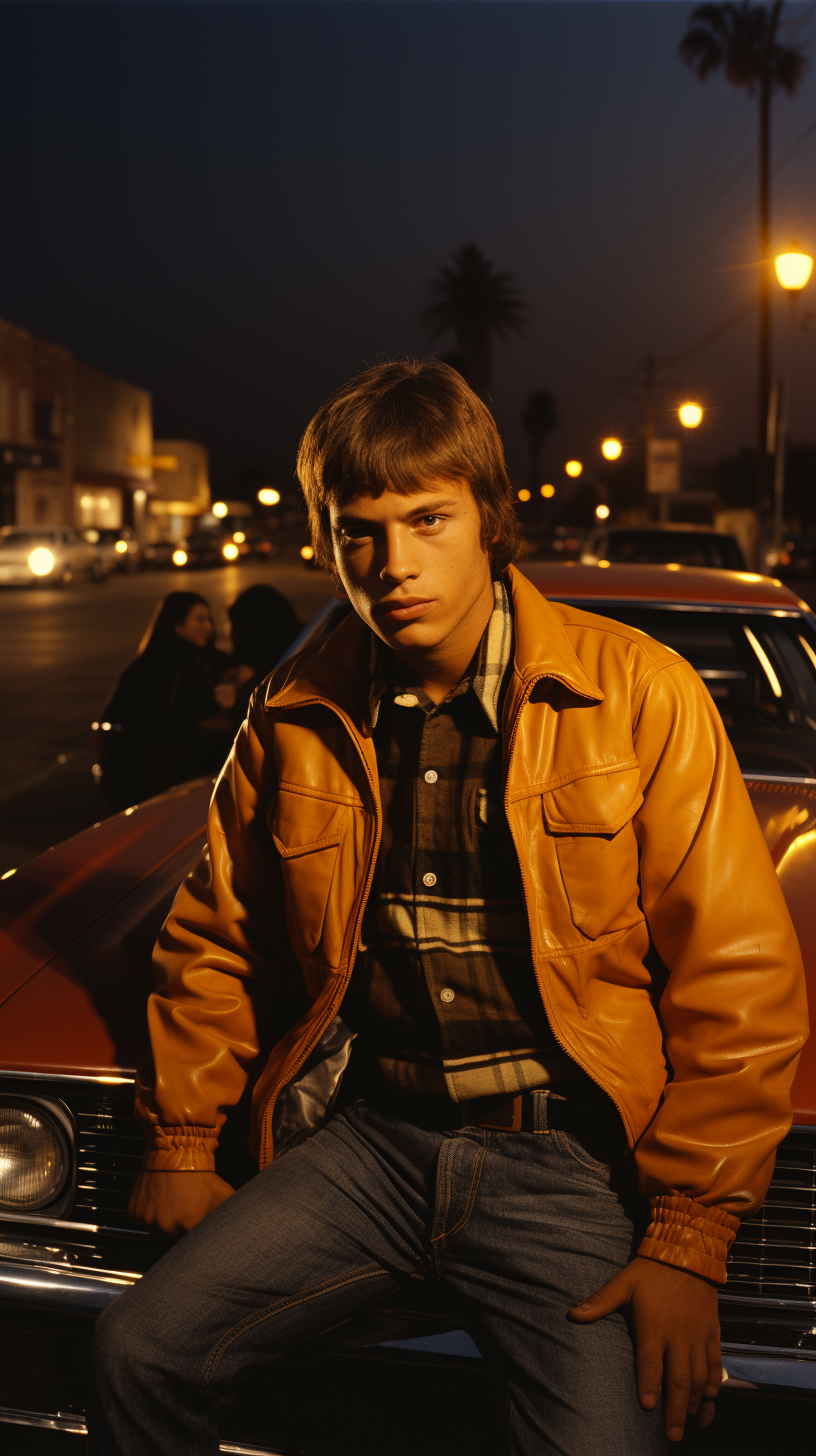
x=663 y=950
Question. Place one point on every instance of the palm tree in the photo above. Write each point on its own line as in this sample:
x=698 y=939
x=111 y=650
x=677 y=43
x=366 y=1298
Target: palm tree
x=538 y=418
x=476 y=302
x=741 y=39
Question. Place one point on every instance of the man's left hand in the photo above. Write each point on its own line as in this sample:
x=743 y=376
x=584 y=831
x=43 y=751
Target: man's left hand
x=677 y=1337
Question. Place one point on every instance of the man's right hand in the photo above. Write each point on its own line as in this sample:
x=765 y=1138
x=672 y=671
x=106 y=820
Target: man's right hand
x=173 y=1202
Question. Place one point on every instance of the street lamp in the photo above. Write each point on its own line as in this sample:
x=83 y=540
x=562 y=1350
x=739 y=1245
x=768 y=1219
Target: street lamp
x=220 y=510
x=611 y=449
x=548 y=491
x=690 y=415
x=268 y=496
x=602 y=512
x=524 y=495
x=793 y=270
x=573 y=468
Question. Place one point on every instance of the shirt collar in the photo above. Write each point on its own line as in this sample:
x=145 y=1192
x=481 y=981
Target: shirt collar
x=484 y=673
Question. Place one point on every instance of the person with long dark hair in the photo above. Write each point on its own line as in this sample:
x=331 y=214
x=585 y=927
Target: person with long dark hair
x=264 y=623
x=150 y=735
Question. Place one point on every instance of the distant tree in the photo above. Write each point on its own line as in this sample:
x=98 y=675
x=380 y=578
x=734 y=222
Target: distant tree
x=539 y=418
x=741 y=40
x=476 y=303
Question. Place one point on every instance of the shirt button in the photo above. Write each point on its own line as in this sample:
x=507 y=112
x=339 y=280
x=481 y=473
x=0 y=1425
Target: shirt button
x=447 y=995
x=429 y=879
x=431 y=776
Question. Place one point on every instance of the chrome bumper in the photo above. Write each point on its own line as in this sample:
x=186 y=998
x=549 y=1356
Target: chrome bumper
x=81 y=1292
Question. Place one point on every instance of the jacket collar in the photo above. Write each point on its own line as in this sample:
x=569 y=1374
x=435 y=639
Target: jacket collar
x=339 y=671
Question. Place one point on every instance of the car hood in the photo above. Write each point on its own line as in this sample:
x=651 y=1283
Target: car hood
x=76 y=928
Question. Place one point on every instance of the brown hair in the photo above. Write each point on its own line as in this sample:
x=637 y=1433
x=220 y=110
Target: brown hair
x=395 y=427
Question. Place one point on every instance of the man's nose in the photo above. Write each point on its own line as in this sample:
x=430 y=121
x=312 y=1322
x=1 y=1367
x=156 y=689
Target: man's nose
x=398 y=565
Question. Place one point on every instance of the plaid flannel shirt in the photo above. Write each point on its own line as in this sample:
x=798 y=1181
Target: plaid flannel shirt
x=444 y=996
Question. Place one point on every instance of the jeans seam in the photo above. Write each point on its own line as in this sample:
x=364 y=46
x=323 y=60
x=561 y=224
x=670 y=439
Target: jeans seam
x=474 y=1186
x=370 y=1272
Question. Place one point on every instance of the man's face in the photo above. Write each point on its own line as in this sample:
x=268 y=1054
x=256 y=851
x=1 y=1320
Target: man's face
x=413 y=565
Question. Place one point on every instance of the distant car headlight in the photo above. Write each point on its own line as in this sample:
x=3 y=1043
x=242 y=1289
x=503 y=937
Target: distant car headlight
x=229 y=550
x=121 y=547
x=41 y=560
x=179 y=558
x=34 y=1158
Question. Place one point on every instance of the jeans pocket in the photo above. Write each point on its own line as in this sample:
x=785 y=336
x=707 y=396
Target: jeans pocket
x=574 y=1148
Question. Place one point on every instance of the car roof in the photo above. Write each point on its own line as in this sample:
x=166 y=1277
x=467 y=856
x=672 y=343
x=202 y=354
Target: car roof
x=657 y=528
x=670 y=584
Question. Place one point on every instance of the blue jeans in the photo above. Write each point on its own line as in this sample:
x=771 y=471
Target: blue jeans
x=518 y=1227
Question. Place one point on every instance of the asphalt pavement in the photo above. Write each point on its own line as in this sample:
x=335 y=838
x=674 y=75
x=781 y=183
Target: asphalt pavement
x=61 y=651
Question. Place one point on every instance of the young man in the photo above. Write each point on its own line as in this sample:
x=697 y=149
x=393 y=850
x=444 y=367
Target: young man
x=486 y=914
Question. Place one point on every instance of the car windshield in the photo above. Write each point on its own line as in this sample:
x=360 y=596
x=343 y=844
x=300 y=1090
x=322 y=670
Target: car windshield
x=14 y=540
x=687 y=548
x=760 y=670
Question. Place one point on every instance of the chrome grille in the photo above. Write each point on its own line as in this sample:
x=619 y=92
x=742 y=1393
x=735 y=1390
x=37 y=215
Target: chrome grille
x=774 y=1253
x=110 y=1144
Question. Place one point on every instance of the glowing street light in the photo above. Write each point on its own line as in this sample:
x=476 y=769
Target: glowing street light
x=690 y=415
x=179 y=557
x=268 y=496
x=793 y=269
x=602 y=512
x=524 y=495
x=611 y=449
x=573 y=468
x=548 y=491
x=229 y=551
x=307 y=552
x=220 y=509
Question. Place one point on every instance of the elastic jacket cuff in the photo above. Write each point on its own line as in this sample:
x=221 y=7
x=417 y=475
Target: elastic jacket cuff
x=690 y=1236
x=179 y=1149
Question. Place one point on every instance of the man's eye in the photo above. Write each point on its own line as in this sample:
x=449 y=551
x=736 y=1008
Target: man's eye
x=431 y=520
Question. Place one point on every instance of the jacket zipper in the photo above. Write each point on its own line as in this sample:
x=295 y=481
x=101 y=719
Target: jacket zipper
x=539 y=980
x=313 y=1040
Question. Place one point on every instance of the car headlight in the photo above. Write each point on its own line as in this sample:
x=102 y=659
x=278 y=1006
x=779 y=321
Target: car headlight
x=41 y=560
x=35 y=1161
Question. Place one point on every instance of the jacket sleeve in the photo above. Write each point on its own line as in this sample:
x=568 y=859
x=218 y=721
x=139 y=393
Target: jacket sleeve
x=730 y=992
x=218 y=957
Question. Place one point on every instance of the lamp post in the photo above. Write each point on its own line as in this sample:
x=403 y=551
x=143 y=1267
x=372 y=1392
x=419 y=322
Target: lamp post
x=793 y=269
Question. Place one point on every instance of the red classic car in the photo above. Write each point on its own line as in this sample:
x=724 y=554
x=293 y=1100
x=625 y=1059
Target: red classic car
x=78 y=924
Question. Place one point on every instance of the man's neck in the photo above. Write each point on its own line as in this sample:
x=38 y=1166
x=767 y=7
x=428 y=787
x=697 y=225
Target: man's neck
x=439 y=669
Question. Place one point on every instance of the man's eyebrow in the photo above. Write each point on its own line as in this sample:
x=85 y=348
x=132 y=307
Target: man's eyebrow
x=427 y=508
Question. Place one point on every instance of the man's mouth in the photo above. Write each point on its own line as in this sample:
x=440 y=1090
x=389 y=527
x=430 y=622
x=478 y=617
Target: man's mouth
x=403 y=609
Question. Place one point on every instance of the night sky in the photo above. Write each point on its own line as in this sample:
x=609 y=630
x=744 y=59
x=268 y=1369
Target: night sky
x=238 y=205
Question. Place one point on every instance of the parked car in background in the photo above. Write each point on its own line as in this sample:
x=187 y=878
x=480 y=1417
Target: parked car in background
x=47 y=556
x=118 y=550
x=204 y=548
x=794 y=559
x=77 y=927
x=659 y=545
x=157 y=555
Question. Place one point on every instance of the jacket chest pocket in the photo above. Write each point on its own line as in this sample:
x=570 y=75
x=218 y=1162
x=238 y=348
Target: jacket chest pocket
x=308 y=833
x=590 y=821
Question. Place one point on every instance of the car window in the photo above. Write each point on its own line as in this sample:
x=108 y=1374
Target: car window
x=759 y=669
x=16 y=539
x=687 y=548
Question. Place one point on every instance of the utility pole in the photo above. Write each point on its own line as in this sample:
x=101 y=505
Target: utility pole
x=765 y=268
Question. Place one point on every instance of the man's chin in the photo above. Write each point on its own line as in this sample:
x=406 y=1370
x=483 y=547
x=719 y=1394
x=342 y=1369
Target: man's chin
x=421 y=635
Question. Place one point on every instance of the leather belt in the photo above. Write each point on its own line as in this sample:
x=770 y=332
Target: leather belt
x=535 y=1111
